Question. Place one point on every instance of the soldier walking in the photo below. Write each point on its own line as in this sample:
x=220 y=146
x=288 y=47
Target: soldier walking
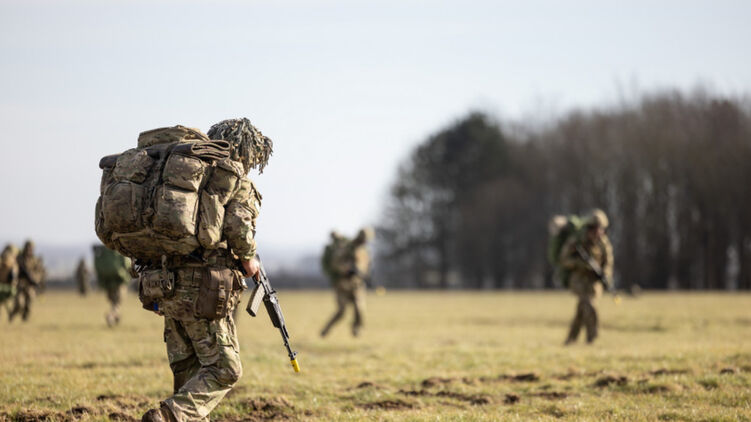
x=82 y=277
x=112 y=274
x=30 y=277
x=191 y=233
x=8 y=276
x=347 y=263
x=589 y=247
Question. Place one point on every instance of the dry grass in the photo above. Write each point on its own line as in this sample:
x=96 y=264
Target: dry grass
x=423 y=356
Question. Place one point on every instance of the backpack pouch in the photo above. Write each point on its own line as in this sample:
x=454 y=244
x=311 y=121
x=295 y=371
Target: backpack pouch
x=146 y=244
x=133 y=165
x=184 y=172
x=121 y=207
x=211 y=220
x=176 y=212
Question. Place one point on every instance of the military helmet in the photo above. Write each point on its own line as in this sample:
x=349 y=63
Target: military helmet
x=28 y=247
x=10 y=251
x=597 y=218
x=249 y=145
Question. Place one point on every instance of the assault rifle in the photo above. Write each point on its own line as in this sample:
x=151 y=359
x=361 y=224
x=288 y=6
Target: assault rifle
x=264 y=292
x=595 y=267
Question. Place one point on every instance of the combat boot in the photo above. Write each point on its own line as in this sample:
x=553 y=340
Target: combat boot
x=163 y=414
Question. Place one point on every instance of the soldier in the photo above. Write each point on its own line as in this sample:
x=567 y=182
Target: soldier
x=190 y=268
x=590 y=242
x=8 y=275
x=30 y=277
x=112 y=274
x=347 y=263
x=82 y=277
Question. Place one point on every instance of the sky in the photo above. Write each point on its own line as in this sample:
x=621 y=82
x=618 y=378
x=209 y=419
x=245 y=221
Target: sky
x=346 y=89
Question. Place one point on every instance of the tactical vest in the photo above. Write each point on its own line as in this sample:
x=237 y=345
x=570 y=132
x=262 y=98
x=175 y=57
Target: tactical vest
x=167 y=196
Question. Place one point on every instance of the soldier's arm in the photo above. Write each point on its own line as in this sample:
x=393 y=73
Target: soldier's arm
x=607 y=264
x=240 y=221
x=569 y=258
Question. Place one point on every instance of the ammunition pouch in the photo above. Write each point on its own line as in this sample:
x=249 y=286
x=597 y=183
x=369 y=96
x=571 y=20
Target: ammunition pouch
x=215 y=297
x=154 y=285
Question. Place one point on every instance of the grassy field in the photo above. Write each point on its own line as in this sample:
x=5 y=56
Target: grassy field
x=422 y=356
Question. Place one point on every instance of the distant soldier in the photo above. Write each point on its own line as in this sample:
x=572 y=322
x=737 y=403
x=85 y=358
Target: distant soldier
x=112 y=273
x=587 y=257
x=347 y=263
x=30 y=276
x=82 y=277
x=8 y=275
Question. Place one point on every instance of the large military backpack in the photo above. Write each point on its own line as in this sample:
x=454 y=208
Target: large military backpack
x=562 y=228
x=167 y=196
x=110 y=266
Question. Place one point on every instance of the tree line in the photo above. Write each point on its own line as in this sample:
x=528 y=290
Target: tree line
x=470 y=205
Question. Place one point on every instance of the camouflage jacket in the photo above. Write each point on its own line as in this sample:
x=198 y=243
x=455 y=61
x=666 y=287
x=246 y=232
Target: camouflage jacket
x=240 y=217
x=601 y=252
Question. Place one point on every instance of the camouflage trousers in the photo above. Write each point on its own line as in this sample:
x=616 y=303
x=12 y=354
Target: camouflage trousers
x=204 y=355
x=205 y=360
x=587 y=292
x=347 y=294
x=22 y=302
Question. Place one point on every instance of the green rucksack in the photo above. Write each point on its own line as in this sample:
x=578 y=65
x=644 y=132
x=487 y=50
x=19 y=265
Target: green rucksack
x=110 y=266
x=561 y=230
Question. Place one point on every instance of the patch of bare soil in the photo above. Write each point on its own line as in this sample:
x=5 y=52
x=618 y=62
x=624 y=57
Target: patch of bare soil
x=664 y=371
x=388 y=405
x=120 y=416
x=551 y=395
x=435 y=381
x=527 y=377
x=78 y=412
x=611 y=380
x=28 y=415
x=368 y=384
x=511 y=398
x=273 y=408
x=474 y=399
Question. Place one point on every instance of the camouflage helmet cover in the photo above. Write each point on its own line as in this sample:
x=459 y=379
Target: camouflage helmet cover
x=249 y=145
x=597 y=218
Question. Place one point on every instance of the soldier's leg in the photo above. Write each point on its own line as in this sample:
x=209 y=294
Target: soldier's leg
x=591 y=320
x=114 y=296
x=358 y=302
x=217 y=349
x=341 y=306
x=15 y=309
x=576 y=324
x=182 y=358
x=28 y=298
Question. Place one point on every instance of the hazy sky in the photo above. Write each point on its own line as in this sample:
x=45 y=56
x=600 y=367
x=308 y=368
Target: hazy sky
x=344 y=88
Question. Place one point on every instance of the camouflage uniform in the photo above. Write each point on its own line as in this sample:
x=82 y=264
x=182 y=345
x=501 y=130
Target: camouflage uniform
x=204 y=354
x=8 y=275
x=347 y=263
x=31 y=273
x=82 y=277
x=113 y=274
x=582 y=280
